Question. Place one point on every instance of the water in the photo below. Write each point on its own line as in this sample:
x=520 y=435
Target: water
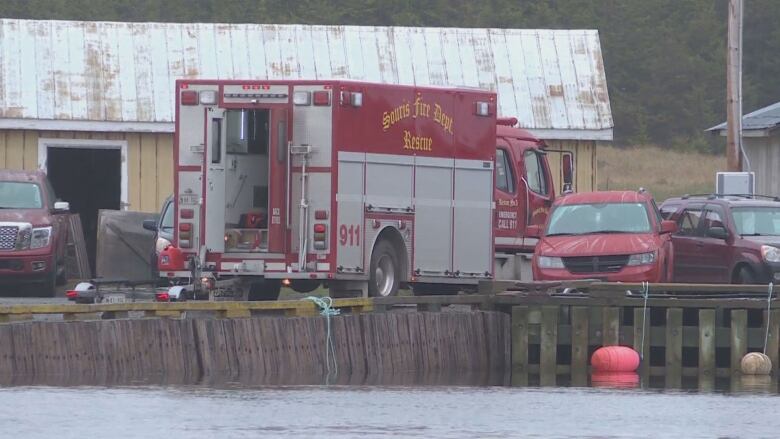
x=376 y=411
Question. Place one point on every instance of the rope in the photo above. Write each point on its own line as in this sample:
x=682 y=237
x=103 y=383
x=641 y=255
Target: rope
x=645 y=293
x=768 y=315
x=327 y=310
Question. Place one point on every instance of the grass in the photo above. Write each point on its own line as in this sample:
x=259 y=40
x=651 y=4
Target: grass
x=665 y=173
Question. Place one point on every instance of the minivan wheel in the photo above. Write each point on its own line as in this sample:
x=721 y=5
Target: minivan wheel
x=745 y=276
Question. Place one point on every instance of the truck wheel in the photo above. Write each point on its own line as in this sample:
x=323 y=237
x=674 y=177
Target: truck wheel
x=385 y=274
x=304 y=286
x=267 y=289
x=745 y=276
x=48 y=287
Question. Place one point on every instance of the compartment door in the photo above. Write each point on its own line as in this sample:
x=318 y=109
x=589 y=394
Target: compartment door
x=278 y=184
x=214 y=209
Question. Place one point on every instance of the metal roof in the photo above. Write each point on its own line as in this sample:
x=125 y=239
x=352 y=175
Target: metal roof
x=759 y=122
x=120 y=76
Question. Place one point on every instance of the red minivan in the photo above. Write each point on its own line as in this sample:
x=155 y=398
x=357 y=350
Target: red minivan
x=615 y=236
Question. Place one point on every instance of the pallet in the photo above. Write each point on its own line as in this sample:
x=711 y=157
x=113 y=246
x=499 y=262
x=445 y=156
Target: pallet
x=76 y=259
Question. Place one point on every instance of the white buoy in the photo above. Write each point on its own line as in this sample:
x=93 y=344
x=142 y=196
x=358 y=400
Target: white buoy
x=756 y=363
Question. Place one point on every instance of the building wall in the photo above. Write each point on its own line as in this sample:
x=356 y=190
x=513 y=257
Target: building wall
x=764 y=155
x=149 y=167
x=584 y=163
x=150 y=161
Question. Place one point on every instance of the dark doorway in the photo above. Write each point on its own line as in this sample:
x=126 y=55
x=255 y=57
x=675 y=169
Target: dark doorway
x=89 y=179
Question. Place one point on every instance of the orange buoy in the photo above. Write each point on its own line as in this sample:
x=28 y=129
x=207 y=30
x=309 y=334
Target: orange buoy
x=614 y=359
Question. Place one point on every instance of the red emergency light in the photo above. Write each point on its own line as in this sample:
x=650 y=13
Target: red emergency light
x=319 y=228
x=322 y=98
x=187 y=213
x=189 y=97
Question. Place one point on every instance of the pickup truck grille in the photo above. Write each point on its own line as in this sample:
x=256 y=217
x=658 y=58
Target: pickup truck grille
x=595 y=264
x=8 y=236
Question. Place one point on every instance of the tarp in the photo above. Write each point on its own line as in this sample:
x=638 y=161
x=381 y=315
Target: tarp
x=124 y=247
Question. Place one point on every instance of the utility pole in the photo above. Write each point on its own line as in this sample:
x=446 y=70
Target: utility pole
x=734 y=88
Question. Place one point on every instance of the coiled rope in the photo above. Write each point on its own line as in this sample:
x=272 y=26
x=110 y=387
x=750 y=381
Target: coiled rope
x=327 y=310
x=768 y=315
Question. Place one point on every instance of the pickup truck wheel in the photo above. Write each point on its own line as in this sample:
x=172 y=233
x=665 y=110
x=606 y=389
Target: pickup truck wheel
x=48 y=287
x=745 y=276
x=385 y=273
x=265 y=290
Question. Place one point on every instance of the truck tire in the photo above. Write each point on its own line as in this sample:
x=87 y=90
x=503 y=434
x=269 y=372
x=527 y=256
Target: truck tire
x=385 y=271
x=48 y=288
x=745 y=276
x=265 y=290
x=304 y=286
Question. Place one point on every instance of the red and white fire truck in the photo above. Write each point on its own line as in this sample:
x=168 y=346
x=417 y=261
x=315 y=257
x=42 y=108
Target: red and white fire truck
x=358 y=186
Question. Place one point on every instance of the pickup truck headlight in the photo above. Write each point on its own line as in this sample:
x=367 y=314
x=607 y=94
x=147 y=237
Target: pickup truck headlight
x=641 y=259
x=550 y=262
x=41 y=237
x=770 y=253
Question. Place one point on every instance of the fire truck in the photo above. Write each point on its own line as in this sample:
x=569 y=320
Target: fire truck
x=364 y=188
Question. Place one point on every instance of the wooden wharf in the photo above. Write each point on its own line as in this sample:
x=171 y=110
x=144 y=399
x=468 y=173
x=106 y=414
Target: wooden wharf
x=528 y=329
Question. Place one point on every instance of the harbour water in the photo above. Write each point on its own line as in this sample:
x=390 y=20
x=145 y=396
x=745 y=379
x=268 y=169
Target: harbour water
x=435 y=411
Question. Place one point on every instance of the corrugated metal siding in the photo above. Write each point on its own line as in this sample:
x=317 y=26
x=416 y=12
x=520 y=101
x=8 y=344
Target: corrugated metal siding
x=124 y=72
x=764 y=155
x=149 y=155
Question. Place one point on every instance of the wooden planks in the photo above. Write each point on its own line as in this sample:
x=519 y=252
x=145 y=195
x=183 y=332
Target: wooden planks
x=77 y=264
x=707 y=343
x=674 y=347
x=403 y=346
x=642 y=339
x=579 y=345
x=738 y=337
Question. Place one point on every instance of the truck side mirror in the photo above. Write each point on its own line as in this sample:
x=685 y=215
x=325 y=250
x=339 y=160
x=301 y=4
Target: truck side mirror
x=150 y=224
x=567 y=163
x=61 y=207
x=533 y=231
x=668 y=226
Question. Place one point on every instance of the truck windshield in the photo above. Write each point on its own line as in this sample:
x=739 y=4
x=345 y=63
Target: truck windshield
x=757 y=221
x=583 y=219
x=20 y=195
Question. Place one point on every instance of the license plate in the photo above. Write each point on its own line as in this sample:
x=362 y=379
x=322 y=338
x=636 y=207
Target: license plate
x=114 y=298
x=190 y=199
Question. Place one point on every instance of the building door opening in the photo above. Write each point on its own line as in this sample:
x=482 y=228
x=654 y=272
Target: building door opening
x=89 y=179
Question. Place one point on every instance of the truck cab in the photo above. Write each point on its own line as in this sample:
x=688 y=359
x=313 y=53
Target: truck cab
x=524 y=193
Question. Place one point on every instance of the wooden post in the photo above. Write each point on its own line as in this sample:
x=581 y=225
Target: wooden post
x=579 y=345
x=549 y=345
x=430 y=307
x=773 y=343
x=674 y=347
x=706 y=346
x=641 y=319
x=519 y=345
x=738 y=337
x=611 y=326
x=734 y=87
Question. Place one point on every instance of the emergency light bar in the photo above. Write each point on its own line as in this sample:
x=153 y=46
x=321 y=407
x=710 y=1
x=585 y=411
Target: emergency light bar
x=257 y=95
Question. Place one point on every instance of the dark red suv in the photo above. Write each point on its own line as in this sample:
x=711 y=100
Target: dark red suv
x=33 y=231
x=725 y=238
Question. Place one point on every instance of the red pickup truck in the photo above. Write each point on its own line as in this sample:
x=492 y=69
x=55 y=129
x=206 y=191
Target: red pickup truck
x=33 y=231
